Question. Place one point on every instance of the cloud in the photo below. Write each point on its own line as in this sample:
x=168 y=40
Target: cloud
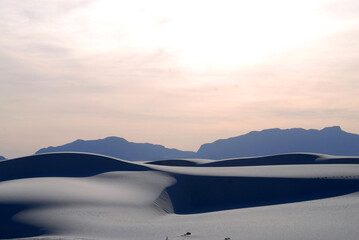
x=345 y=9
x=87 y=69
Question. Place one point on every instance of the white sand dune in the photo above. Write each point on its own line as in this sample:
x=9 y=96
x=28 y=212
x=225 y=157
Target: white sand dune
x=86 y=196
x=280 y=159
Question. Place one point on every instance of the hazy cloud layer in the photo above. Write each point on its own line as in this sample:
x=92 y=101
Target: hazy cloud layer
x=175 y=74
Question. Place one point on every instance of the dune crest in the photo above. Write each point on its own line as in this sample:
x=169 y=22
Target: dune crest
x=63 y=164
x=279 y=159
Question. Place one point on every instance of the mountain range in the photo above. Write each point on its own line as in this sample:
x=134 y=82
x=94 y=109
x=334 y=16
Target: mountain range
x=329 y=140
x=121 y=148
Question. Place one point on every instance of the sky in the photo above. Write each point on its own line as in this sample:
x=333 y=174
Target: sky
x=175 y=73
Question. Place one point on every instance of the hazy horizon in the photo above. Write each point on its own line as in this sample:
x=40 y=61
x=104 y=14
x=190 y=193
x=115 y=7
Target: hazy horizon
x=260 y=147
x=178 y=74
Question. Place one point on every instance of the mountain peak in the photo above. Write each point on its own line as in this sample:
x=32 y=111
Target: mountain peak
x=332 y=129
x=114 y=139
x=120 y=148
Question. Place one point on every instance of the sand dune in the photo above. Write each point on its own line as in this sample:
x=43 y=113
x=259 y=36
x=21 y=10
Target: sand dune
x=86 y=196
x=63 y=165
x=280 y=159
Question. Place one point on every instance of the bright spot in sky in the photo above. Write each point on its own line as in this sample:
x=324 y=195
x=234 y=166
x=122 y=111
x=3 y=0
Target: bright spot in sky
x=205 y=34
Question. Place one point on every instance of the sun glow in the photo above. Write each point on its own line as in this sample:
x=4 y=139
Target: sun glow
x=203 y=34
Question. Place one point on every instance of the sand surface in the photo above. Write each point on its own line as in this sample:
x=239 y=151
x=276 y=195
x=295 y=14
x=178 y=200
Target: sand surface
x=85 y=196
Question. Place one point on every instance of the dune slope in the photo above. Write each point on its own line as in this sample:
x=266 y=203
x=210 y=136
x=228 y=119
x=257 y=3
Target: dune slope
x=63 y=164
x=86 y=196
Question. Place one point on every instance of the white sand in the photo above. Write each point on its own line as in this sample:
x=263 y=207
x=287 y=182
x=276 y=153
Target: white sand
x=143 y=201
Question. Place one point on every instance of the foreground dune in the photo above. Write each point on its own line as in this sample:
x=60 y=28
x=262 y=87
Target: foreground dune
x=86 y=196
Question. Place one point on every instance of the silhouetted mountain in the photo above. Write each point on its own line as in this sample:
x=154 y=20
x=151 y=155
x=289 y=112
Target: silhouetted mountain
x=121 y=148
x=330 y=140
x=2 y=158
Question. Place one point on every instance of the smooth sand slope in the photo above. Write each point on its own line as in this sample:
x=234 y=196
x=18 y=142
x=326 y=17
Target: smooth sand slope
x=86 y=196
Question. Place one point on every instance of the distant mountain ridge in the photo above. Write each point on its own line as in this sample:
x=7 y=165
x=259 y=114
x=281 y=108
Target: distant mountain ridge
x=121 y=148
x=2 y=158
x=330 y=140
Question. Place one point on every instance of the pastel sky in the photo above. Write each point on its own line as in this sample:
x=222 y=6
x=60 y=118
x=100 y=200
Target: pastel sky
x=176 y=73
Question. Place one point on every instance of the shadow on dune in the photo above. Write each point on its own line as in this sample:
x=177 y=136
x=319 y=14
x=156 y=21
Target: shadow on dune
x=175 y=163
x=284 y=159
x=280 y=159
x=63 y=165
x=10 y=228
x=200 y=194
x=50 y=165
